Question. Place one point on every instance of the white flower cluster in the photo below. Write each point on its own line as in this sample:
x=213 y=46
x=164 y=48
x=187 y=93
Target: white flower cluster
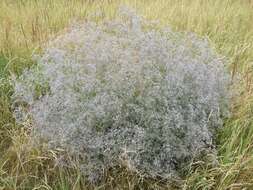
x=122 y=92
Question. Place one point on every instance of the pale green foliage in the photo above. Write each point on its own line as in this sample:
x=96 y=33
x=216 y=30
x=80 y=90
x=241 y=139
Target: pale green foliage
x=121 y=92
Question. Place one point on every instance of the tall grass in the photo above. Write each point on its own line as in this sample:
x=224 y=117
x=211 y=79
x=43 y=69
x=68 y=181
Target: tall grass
x=25 y=25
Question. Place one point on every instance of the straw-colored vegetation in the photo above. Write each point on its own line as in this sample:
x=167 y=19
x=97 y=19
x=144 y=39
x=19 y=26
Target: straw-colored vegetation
x=26 y=24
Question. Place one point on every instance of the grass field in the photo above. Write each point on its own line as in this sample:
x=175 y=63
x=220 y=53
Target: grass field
x=25 y=25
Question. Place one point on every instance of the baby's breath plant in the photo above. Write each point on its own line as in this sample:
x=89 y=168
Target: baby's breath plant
x=124 y=93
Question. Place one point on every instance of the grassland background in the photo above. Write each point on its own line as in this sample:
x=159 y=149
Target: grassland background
x=25 y=25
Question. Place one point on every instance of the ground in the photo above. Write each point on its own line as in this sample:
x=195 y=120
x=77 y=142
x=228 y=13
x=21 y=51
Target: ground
x=26 y=25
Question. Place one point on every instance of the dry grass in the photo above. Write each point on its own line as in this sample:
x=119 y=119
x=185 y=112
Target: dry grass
x=26 y=24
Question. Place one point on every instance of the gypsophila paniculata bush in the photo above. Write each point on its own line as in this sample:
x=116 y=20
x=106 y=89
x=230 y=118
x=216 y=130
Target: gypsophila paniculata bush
x=124 y=93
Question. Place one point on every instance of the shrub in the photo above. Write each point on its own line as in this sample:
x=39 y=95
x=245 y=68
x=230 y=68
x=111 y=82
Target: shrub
x=122 y=92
